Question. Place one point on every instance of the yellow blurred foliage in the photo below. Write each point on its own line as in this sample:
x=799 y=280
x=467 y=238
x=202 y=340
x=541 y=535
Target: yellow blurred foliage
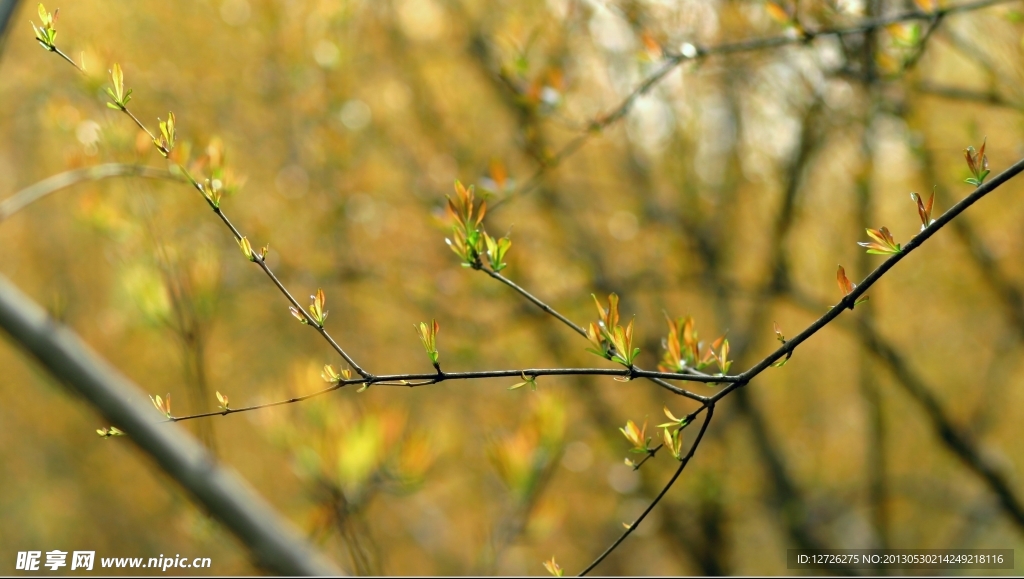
x=729 y=190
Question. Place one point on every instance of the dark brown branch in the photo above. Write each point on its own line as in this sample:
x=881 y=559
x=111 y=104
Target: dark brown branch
x=848 y=301
x=653 y=376
x=532 y=299
x=682 y=464
x=427 y=379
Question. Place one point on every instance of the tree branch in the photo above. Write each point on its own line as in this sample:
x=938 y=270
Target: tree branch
x=682 y=464
x=39 y=190
x=272 y=541
x=697 y=53
x=848 y=301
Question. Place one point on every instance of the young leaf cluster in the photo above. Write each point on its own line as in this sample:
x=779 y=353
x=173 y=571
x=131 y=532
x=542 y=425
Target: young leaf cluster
x=162 y=404
x=553 y=567
x=882 y=242
x=671 y=433
x=222 y=401
x=610 y=340
x=316 y=309
x=108 y=432
x=637 y=437
x=118 y=95
x=683 y=349
x=165 y=142
x=977 y=162
x=46 y=34
x=469 y=239
x=781 y=338
x=846 y=286
x=428 y=337
x=527 y=380
x=246 y=247
x=924 y=210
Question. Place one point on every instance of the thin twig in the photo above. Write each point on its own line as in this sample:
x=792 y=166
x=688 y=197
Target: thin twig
x=652 y=376
x=848 y=301
x=257 y=259
x=68 y=58
x=427 y=379
x=533 y=299
x=657 y=499
x=960 y=444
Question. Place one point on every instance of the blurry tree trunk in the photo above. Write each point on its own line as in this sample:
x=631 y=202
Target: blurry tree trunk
x=272 y=541
x=7 y=9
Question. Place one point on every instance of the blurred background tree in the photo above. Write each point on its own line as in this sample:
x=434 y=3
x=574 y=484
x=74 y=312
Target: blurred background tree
x=727 y=189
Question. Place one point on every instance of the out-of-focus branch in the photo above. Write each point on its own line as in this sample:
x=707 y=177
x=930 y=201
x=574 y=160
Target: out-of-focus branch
x=922 y=46
x=785 y=496
x=7 y=10
x=694 y=53
x=848 y=301
x=273 y=542
x=990 y=97
x=876 y=472
x=954 y=437
x=39 y=190
x=1009 y=295
x=992 y=66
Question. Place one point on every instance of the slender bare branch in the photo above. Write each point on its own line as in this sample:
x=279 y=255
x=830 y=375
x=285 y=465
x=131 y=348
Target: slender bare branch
x=653 y=376
x=256 y=258
x=682 y=464
x=427 y=379
x=850 y=299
